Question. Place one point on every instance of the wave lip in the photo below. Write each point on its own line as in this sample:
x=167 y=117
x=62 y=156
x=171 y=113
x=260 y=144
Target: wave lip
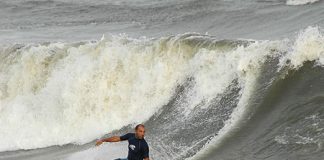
x=300 y=2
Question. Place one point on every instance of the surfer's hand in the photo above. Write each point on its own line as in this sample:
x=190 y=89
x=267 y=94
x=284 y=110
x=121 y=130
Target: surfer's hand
x=98 y=143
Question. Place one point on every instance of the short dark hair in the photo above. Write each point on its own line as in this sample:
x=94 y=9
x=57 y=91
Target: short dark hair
x=139 y=125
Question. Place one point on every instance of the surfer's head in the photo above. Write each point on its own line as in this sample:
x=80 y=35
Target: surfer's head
x=140 y=131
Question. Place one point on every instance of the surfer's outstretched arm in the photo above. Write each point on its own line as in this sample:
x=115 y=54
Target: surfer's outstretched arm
x=110 y=139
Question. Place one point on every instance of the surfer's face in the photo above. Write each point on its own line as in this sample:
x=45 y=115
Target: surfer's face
x=140 y=132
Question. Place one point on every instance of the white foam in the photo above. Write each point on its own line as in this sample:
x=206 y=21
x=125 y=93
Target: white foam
x=300 y=2
x=59 y=94
x=309 y=46
x=107 y=151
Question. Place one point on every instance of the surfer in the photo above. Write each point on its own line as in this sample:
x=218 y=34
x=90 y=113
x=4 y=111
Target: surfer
x=138 y=149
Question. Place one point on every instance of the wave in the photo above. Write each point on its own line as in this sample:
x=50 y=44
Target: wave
x=192 y=91
x=59 y=93
x=276 y=73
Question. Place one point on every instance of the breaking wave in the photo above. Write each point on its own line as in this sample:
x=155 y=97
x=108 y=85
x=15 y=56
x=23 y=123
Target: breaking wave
x=193 y=92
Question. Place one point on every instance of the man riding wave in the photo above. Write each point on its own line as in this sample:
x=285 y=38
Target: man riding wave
x=138 y=149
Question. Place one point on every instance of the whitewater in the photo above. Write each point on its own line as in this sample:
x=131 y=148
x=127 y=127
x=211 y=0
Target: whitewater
x=209 y=79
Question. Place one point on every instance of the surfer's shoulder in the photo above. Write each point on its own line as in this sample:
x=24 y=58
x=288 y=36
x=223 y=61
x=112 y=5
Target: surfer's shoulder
x=127 y=136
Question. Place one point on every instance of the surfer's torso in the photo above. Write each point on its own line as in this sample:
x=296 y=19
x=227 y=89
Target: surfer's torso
x=137 y=148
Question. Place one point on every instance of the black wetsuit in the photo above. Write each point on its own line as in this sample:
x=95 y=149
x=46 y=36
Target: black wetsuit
x=138 y=149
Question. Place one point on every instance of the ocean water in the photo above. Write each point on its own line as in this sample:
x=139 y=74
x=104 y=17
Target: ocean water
x=210 y=79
